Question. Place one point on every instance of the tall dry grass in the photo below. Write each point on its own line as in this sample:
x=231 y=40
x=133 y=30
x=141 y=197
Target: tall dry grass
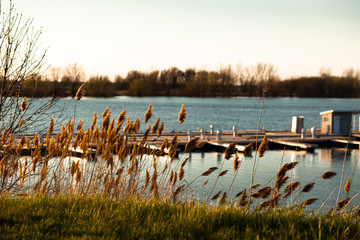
x=115 y=160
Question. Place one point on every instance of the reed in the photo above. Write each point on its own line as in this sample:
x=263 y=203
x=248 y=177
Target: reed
x=116 y=162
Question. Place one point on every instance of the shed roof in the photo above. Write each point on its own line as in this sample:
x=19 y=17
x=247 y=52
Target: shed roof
x=341 y=111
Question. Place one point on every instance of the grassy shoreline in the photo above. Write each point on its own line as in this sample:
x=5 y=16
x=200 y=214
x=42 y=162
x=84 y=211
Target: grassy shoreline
x=95 y=217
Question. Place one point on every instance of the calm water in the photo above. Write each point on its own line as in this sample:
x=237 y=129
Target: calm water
x=223 y=113
x=244 y=113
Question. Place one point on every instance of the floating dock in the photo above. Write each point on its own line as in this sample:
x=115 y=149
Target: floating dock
x=218 y=142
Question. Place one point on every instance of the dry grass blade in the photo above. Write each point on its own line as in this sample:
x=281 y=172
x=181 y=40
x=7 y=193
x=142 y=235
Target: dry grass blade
x=182 y=114
x=148 y=114
x=209 y=171
x=328 y=175
x=190 y=145
x=229 y=151
x=308 y=202
x=216 y=196
x=263 y=147
x=308 y=187
x=347 y=186
x=342 y=203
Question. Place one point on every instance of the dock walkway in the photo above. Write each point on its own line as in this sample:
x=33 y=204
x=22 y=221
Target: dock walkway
x=278 y=139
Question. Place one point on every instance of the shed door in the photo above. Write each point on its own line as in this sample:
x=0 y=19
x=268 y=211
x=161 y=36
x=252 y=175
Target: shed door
x=336 y=124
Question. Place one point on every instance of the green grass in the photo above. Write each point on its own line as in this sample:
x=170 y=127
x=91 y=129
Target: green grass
x=101 y=218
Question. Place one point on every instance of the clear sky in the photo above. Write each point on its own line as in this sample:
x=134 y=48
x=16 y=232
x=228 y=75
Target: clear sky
x=111 y=37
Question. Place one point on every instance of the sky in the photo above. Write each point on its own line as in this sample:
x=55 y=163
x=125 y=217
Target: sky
x=112 y=37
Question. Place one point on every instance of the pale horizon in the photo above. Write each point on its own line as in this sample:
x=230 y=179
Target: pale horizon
x=113 y=37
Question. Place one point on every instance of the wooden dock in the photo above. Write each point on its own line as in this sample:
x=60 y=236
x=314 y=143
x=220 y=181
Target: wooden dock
x=278 y=139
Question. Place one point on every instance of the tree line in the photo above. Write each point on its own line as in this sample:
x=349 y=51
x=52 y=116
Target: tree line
x=258 y=80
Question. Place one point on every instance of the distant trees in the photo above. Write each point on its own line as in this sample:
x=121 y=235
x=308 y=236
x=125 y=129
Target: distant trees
x=99 y=86
x=258 y=80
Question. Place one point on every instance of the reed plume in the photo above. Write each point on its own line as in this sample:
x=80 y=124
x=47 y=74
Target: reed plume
x=222 y=200
x=328 y=175
x=308 y=187
x=155 y=126
x=23 y=104
x=216 y=196
x=286 y=167
x=263 y=147
x=347 y=186
x=181 y=173
x=229 y=151
x=148 y=114
x=236 y=162
x=21 y=123
x=291 y=186
x=190 y=145
x=182 y=114
x=308 y=202
x=341 y=204
x=222 y=173
x=80 y=92
x=161 y=129
x=51 y=126
x=209 y=171
x=136 y=126
x=248 y=149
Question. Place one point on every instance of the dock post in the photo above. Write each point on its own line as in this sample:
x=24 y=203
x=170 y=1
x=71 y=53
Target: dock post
x=234 y=130
x=218 y=135
x=313 y=132
x=41 y=136
x=189 y=135
x=303 y=133
x=202 y=133
x=211 y=129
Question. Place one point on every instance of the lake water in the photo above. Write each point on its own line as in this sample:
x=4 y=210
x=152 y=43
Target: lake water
x=244 y=112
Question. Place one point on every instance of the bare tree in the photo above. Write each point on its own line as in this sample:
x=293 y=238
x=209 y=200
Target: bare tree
x=258 y=77
x=75 y=73
x=19 y=61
